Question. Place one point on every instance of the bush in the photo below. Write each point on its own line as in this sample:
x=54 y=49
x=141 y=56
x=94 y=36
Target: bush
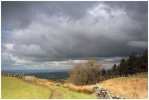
x=85 y=73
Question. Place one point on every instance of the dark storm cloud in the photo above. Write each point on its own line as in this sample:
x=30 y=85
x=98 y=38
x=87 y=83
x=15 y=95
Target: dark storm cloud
x=15 y=14
x=34 y=32
x=20 y=14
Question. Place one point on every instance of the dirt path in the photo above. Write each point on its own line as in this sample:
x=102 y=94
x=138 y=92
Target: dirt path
x=55 y=94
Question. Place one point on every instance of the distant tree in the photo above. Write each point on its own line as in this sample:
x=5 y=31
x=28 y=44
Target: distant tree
x=145 y=61
x=103 y=72
x=109 y=73
x=85 y=73
x=114 y=70
x=122 y=67
x=131 y=63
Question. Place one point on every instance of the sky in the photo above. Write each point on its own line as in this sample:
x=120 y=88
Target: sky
x=58 y=35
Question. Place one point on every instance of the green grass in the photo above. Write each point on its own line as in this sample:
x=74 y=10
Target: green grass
x=15 y=88
x=69 y=94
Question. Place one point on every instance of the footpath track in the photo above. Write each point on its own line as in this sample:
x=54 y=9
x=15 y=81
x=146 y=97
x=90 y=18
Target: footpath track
x=55 y=94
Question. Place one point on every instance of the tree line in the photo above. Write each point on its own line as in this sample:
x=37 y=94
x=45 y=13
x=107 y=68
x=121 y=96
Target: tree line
x=91 y=72
x=127 y=66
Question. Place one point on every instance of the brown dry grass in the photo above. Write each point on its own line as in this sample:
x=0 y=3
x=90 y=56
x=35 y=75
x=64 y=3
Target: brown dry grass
x=131 y=88
x=128 y=87
x=85 y=88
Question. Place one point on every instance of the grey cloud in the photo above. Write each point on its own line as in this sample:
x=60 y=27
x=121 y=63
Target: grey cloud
x=15 y=14
x=139 y=44
x=35 y=32
x=20 y=14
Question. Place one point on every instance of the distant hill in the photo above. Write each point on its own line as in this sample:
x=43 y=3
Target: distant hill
x=56 y=75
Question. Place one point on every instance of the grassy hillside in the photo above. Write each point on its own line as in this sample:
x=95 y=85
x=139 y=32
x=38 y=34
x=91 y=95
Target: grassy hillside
x=134 y=87
x=14 y=88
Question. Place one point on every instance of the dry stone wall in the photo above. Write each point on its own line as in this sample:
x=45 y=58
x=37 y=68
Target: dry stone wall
x=102 y=93
x=17 y=75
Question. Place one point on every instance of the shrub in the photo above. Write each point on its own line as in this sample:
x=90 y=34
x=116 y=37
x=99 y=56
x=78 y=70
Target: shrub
x=85 y=73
